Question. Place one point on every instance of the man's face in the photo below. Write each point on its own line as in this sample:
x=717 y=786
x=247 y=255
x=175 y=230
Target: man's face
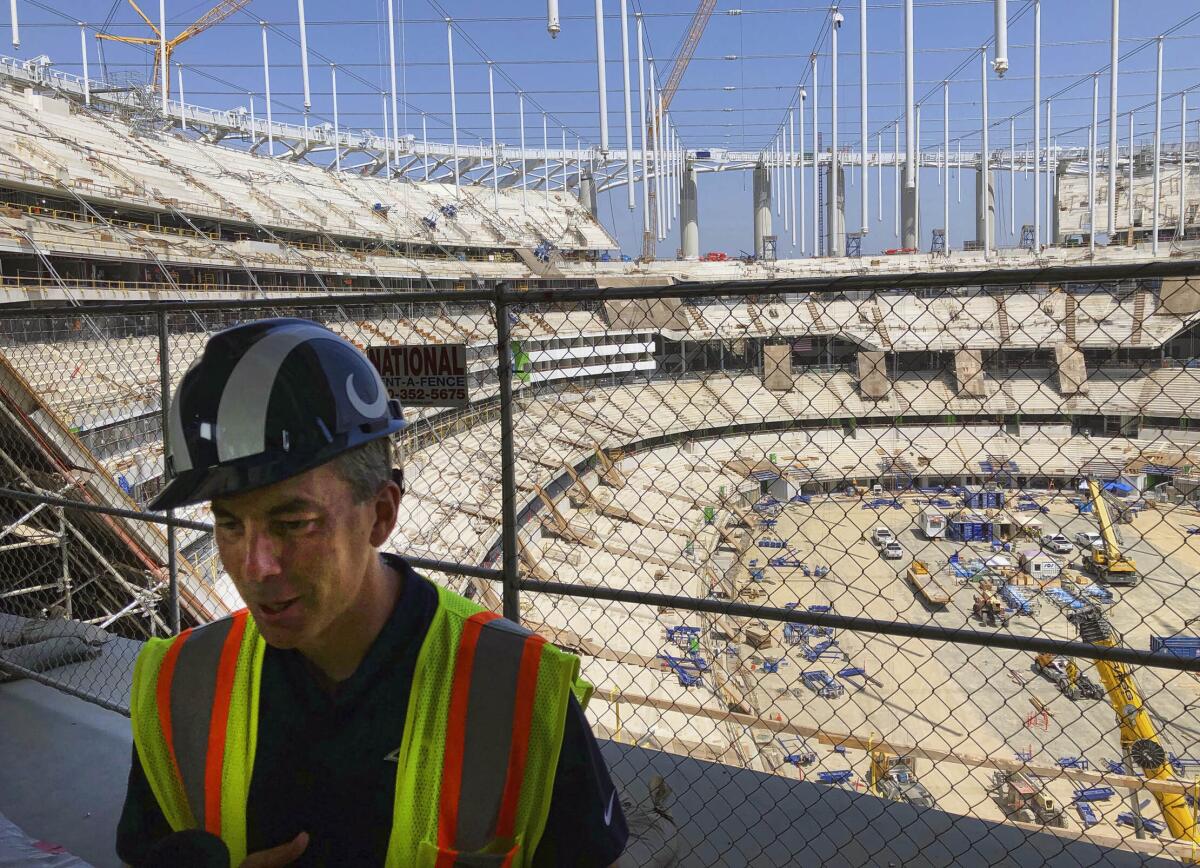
x=298 y=552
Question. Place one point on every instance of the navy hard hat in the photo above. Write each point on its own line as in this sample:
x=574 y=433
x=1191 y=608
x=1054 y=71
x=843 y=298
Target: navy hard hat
x=268 y=400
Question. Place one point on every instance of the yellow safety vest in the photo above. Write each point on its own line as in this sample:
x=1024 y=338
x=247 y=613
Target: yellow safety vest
x=476 y=762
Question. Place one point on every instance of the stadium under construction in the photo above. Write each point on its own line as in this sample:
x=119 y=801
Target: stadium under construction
x=872 y=557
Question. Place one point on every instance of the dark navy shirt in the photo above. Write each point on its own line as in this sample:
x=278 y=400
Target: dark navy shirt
x=320 y=764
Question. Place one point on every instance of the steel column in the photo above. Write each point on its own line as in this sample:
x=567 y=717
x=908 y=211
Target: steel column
x=864 y=200
x=1157 y=140
x=164 y=393
x=508 y=463
x=632 y=194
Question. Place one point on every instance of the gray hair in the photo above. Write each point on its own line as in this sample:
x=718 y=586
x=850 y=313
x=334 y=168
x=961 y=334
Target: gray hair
x=366 y=468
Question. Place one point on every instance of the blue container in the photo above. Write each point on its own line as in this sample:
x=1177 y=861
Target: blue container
x=1177 y=646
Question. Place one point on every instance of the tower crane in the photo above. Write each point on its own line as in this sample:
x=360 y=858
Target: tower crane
x=690 y=40
x=213 y=16
x=1106 y=561
x=1139 y=740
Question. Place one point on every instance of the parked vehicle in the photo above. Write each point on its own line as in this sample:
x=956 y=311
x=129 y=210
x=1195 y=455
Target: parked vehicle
x=881 y=536
x=1057 y=543
x=893 y=551
x=1085 y=539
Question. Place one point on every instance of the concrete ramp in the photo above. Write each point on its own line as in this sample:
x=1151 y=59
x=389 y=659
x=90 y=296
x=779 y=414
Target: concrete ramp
x=539 y=268
x=968 y=373
x=1072 y=370
x=1180 y=296
x=647 y=313
x=873 y=379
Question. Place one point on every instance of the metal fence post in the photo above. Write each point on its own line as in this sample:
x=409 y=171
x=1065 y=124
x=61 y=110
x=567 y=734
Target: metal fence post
x=164 y=384
x=508 y=460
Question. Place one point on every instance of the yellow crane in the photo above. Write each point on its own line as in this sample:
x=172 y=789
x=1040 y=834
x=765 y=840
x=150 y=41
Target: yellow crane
x=1106 y=561
x=213 y=16
x=1139 y=740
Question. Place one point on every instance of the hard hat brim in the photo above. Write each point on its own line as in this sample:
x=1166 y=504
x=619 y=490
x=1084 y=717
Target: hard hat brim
x=206 y=483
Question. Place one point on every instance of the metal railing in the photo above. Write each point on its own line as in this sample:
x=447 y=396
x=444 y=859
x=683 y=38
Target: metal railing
x=518 y=474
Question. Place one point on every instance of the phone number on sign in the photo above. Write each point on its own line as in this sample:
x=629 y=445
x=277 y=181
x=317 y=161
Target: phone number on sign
x=432 y=395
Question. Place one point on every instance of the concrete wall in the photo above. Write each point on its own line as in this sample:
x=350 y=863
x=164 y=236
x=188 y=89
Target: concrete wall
x=777 y=367
x=872 y=375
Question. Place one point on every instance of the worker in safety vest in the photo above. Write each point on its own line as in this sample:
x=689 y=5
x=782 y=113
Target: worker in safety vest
x=355 y=713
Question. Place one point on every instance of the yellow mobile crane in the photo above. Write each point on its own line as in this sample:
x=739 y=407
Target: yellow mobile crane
x=1106 y=561
x=1139 y=740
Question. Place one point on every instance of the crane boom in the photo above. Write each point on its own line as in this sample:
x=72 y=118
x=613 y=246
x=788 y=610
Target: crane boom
x=1110 y=564
x=688 y=48
x=1138 y=736
x=209 y=19
x=212 y=17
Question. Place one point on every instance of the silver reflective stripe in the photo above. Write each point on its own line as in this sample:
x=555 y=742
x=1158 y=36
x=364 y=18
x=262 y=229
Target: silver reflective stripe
x=181 y=458
x=491 y=701
x=242 y=413
x=193 y=690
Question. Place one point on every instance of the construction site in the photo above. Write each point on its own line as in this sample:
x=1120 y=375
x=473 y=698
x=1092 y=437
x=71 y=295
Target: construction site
x=873 y=554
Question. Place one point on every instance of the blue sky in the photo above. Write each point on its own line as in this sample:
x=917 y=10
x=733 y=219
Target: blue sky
x=770 y=44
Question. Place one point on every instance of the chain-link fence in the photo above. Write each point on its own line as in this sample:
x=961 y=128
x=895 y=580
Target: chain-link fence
x=928 y=547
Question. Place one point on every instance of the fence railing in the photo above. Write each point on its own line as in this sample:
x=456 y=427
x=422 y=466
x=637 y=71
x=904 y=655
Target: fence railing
x=751 y=558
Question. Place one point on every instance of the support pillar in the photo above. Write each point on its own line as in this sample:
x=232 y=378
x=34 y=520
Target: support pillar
x=689 y=214
x=908 y=212
x=1060 y=172
x=835 y=215
x=587 y=193
x=980 y=219
x=762 y=207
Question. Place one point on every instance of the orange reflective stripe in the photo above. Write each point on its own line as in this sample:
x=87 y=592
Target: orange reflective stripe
x=531 y=659
x=214 y=760
x=456 y=734
x=162 y=696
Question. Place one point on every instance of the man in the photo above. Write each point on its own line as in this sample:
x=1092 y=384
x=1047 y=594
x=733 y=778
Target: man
x=354 y=713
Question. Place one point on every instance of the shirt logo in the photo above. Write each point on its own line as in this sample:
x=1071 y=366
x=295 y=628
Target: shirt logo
x=393 y=757
x=608 y=810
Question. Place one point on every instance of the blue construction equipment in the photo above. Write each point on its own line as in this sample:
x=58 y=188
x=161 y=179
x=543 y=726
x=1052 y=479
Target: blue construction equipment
x=766 y=543
x=820 y=608
x=801 y=498
x=1087 y=814
x=785 y=561
x=1115 y=766
x=681 y=635
x=795 y=634
x=687 y=670
x=801 y=755
x=835 y=777
x=1094 y=794
x=792 y=604
x=1154 y=827
x=1023 y=756
x=1064 y=600
x=760 y=575
x=1073 y=762
x=1019 y=599
x=1177 y=646
x=851 y=671
x=822 y=684
x=825 y=649
x=772 y=664
x=768 y=522
x=1182 y=763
